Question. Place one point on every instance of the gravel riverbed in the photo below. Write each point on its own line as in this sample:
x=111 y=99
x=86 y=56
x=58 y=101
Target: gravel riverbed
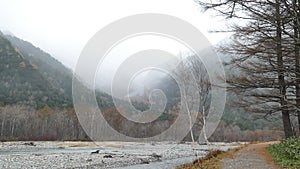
x=19 y=155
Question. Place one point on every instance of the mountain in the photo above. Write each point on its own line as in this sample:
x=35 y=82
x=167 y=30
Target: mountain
x=36 y=78
x=32 y=77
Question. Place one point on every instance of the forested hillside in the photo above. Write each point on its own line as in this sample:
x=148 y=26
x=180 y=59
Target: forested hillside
x=23 y=82
x=35 y=95
x=55 y=72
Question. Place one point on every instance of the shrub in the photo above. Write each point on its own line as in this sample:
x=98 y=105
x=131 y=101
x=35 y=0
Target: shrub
x=287 y=153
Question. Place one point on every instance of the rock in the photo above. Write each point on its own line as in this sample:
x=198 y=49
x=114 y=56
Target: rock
x=95 y=152
x=29 y=144
x=156 y=156
x=108 y=156
x=144 y=161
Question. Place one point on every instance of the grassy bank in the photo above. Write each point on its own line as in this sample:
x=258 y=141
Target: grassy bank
x=211 y=161
x=287 y=153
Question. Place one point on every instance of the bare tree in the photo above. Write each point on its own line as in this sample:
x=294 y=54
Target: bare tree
x=183 y=74
x=192 y=72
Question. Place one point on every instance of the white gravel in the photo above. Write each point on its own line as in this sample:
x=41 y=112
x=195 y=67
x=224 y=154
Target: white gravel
x=48 y=155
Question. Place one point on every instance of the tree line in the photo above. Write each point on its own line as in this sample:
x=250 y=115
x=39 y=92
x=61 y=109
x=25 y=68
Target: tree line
x=19 y=122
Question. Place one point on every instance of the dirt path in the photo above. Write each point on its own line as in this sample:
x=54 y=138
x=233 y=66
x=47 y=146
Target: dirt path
x=253 y=156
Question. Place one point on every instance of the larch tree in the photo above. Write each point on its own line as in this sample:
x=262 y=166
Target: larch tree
x=265 y=63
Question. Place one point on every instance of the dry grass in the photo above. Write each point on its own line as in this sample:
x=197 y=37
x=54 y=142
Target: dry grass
x=78 y=144
x=212 y=160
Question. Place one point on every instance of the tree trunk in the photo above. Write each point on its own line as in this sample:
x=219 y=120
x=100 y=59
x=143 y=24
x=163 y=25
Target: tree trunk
x=2 y=126
x=190 y=120
x=204 y=125
x=282 y=86
x=297 y=55
x=13 y=127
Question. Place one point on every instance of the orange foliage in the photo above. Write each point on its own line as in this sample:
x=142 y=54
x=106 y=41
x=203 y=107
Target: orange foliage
x=19 y=52
x=35 y=67
x=22 y=64
x=45 y=111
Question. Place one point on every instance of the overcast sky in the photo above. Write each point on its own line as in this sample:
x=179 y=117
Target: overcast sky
x=63 y=27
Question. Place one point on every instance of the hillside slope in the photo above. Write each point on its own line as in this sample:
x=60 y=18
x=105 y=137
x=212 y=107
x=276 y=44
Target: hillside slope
x=55 y=72
x=28 y=81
